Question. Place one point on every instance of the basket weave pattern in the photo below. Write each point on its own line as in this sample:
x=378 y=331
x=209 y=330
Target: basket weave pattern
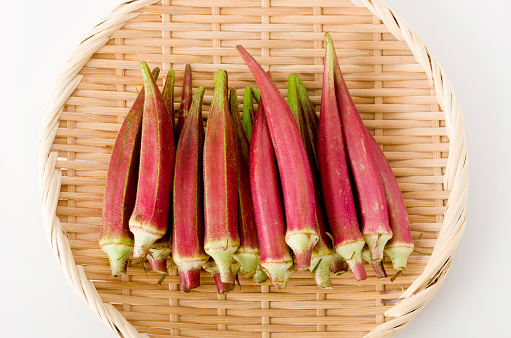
x=403 y=97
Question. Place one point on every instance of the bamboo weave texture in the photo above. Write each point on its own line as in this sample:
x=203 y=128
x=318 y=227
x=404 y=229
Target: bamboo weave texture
x=400 y=90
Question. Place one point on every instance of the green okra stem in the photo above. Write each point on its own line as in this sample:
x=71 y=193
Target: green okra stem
x=248 y=104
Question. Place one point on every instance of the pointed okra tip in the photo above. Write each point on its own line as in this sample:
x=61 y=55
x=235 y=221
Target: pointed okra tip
x=169 y=81
x=292 y=86
x=149 y=82
x=145 y=69
x=293 y=97
x=156 y=73
x=118 y=255
x=248 y=98
x=233 y=102
x=330 y=51
x=256 y=93
x=199 y=96
x=328 y=38
x=221 y=83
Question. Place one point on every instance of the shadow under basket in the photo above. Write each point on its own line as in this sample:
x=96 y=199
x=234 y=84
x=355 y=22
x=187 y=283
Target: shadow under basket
x=399 y=88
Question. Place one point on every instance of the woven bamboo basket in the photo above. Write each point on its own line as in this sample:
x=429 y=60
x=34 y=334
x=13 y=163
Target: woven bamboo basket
x=403 y=96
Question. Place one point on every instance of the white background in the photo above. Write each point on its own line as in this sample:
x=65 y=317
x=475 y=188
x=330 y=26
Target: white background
x=471 y=39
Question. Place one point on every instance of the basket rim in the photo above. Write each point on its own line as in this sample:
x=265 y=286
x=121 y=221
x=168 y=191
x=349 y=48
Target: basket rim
x=455 y=178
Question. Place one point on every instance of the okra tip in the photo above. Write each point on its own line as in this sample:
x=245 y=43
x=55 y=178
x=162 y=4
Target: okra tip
x=256 y=93
x=149 y=80
x=338 y=265
x=357 y=267
x=145 y=69
x=352 y=253
x=119 y=255
x=223 y=260
x=156 y=73
x=399 y=255
x=158 y=265
x=328 y=38
x=248 y=263
x=287 y=275
x=376 y=243
x=379 y=269
x=277 y=271
x=320 y=268
x=221 y=286
x=377 y=266
x=321 y=272
x=260 y=276
x=302 y=245
x=221 y=78
x=189 y=279
x=143 y=240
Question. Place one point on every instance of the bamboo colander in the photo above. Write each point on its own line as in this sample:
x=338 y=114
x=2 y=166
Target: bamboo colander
x=398 y=86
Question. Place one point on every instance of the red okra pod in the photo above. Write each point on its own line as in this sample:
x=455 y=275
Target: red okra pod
x=371 y=197
x=400 y=246
x=188 y=203
x=268 y=208
x=335 y=179
x=149 y=220
x=115 y=238
x=220 y=183
x=297 y=186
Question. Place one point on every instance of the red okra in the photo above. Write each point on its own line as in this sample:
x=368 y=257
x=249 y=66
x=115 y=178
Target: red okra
x=371 y=197
x=400 y=246
x=149 y=220
x=271 y=227
x=188 y=203
x=298 y=189
x=220 y=183
x=335 y=179
x=115 y=238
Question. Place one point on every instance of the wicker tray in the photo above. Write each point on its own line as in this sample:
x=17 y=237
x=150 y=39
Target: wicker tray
x=398 y=86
